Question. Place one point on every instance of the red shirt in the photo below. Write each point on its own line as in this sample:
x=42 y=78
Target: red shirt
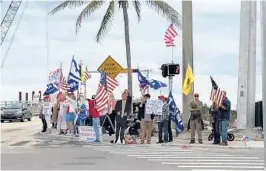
x=92 y=110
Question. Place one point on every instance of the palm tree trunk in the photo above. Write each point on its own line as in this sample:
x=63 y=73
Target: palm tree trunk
x=128 y=52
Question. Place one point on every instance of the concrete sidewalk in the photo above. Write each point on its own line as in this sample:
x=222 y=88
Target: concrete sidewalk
x=181 y=141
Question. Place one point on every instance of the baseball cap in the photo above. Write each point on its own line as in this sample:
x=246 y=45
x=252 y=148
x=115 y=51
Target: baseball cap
x=162 y=97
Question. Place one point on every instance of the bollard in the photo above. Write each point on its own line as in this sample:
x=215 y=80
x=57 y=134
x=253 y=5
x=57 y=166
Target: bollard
x=26 y=97
x=20 y=96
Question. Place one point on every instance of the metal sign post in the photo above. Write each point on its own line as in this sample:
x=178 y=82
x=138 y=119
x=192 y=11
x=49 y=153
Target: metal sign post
x=263 y=56
x=170 y=83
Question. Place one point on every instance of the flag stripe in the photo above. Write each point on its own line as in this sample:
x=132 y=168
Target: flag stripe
x=106 y=87
x=63 y=83
x=217 y=95
x=144 y=90
x=170 y=35
x=87 y=76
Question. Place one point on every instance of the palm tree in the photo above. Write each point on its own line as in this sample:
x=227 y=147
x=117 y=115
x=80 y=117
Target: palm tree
x=91 y=6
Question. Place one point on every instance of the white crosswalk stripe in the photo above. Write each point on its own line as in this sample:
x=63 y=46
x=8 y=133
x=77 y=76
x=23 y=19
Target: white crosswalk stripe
x=185 y=158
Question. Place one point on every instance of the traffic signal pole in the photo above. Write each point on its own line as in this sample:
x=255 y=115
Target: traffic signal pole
x=263 y=56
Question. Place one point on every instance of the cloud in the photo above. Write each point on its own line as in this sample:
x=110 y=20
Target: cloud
x=216 y=48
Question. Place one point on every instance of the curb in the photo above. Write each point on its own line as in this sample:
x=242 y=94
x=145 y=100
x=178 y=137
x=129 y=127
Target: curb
x=181 y=145
x=210 y=146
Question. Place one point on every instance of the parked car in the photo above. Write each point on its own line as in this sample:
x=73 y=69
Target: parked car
x=16 y=111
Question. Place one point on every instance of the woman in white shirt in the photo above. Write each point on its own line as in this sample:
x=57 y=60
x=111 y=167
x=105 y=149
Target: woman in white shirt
x=61 y=121
x=71 y=113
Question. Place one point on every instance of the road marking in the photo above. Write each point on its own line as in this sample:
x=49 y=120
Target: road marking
x=147 y=153
x=203 y=160
x=218 y=170
x=186 y=159
x=222 y=166
x=192 y=157
x=178 y=155
x=218 y=163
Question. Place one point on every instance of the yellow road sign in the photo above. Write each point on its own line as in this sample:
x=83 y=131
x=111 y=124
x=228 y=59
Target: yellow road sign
x=110 y=67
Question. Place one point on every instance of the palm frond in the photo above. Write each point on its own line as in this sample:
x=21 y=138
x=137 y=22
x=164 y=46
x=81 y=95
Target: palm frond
x=87 y=11
x=137 y=6
x=106 y=22
x=166 y=10
x=69 y=4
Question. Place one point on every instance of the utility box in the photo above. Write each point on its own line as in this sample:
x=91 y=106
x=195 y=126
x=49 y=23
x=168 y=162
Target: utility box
x=258 y=114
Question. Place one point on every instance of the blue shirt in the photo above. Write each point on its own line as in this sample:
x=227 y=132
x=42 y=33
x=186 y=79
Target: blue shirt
x=224 y=114
x=83 y=112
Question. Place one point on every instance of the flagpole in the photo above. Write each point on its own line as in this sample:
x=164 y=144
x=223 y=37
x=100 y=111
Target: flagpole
x=61 y=75
x=170 y=78
x=47 y=38
x=80 y=82
x=85 y=85
x=70 y=67
x=172 y=54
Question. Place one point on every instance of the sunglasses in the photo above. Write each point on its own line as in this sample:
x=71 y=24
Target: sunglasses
x=196 y=96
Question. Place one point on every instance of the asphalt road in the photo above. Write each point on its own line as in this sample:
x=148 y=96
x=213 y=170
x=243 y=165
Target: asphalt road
x=23 y=149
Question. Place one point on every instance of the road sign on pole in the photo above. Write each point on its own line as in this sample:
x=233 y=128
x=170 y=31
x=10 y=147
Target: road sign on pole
x=110 y=67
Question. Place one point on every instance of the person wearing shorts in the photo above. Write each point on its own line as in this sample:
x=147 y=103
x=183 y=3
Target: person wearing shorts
x=70 y=116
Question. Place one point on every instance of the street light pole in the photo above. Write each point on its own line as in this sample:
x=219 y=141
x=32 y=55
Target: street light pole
x=187 y=54
x=263 y=57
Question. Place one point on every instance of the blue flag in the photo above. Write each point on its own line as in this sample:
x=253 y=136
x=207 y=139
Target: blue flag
x=74 y=76
x=175 y=113
x=51 y=89
x=155 y=84
x=143 y=82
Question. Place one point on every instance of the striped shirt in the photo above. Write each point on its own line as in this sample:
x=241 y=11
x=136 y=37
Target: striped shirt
x=165 y=113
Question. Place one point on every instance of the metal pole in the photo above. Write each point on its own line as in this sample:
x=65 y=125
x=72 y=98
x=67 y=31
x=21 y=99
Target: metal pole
x=247 y=66
x=47 y=37
x=148 y=75
x=263 y=56
x=187 y=41
x=170 y=84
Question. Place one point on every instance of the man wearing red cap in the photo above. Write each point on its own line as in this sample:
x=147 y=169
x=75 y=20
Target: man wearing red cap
x=195 y=118
x=47 y=112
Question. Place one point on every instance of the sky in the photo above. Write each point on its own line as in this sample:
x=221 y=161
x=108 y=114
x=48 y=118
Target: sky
x=42 y=42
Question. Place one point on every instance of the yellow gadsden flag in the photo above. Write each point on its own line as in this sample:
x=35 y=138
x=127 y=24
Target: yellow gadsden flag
x=82 y=74
x=189 y=79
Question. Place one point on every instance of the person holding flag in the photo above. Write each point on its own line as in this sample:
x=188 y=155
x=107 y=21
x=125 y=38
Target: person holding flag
x=174 y=115
x=61 y=121
x=163 y=121
x=70 y=115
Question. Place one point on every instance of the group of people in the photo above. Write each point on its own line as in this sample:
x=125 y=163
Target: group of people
x=66 y=114
x=220 y=115
x=123 y=110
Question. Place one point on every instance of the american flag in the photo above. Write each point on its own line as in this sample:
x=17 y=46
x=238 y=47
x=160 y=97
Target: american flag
x=144 y=90
x=63 y=83
x=143 y=84
x=87 y=75
x=217 y=95
x=169 y=36
x=106 y=86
